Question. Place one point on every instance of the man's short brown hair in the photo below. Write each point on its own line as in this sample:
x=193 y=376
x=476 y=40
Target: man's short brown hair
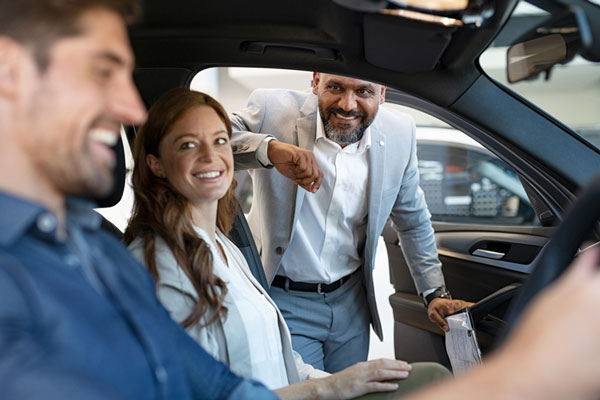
x=39 y=23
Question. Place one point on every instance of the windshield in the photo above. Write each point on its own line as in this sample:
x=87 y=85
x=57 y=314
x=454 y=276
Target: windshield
x=570 y=92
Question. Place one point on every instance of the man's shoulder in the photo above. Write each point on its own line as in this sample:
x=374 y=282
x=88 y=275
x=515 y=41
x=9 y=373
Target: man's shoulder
x=397 y=127
x=388 y=115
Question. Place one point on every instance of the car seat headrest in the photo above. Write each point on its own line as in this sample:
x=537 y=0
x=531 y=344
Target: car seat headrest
x=119 y=173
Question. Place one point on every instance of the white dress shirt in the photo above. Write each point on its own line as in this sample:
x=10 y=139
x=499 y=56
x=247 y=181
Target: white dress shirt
x=258 y=325
x=331 y=227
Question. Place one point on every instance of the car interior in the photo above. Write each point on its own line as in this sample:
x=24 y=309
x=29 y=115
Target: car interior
x=429 y=58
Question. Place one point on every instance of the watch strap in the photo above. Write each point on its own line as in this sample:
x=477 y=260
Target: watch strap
x=440 y=292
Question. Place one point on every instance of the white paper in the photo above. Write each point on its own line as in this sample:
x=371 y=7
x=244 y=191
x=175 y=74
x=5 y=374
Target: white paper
x=461 y=342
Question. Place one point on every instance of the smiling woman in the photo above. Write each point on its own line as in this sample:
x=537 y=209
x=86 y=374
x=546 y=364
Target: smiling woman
x=195 y=156
x=182 y=216
x=171 y=150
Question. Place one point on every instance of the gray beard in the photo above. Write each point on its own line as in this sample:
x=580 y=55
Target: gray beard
x=343 y=137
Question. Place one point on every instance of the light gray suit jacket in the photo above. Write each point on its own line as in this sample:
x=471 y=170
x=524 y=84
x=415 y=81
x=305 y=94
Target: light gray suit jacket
x=393 y=188
x=176 y=292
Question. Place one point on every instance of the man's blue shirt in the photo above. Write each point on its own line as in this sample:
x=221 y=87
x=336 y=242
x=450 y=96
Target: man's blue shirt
x=79 y=317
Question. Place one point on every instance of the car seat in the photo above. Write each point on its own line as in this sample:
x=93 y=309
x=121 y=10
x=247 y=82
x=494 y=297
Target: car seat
x=115 y=195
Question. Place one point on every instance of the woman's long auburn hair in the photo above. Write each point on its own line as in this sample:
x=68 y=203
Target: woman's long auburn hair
x=160 y=211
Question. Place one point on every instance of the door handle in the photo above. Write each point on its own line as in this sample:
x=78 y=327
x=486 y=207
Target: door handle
x=494 y=255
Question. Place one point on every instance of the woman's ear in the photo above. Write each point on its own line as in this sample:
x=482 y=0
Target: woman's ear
x=155 y=165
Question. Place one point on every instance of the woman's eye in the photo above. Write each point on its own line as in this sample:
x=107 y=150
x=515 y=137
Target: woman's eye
x=187 y=145
x=222 y=140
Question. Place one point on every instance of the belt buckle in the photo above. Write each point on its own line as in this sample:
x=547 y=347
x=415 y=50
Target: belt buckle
x=319 y=288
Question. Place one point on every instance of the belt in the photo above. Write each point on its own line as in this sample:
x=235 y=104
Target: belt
x=281 y=281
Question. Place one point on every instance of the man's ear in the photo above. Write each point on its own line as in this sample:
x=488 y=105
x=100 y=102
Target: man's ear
x=155 y=165
x=10 y=51
x=382 y=95
x=316 y=79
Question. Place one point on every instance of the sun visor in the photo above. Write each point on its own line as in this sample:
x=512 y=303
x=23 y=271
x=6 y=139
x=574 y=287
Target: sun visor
x=152 y=82
x=404 y=45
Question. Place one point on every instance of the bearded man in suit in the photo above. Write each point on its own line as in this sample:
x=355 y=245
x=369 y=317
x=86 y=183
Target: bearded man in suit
x=343 y=166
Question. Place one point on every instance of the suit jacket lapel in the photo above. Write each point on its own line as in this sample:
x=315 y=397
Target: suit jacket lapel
x=306 y=125
x=306 y=132
x=376 y=175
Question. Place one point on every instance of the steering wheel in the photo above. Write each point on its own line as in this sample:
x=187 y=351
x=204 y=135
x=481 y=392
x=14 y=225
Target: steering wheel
x=558 y=252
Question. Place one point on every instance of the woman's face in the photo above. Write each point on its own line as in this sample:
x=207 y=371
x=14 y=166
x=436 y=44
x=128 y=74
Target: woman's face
x=195 y=156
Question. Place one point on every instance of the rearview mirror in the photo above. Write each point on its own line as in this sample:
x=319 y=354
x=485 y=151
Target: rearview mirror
x=558 y=39
x=532 y=57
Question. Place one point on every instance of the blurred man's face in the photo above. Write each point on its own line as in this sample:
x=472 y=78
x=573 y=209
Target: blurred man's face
x=347 y=106
x=73 y=110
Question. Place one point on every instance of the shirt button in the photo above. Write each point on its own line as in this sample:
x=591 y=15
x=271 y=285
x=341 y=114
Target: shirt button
x=381 y=143
x=279 y=250
x=72 y=260
x=161 y=374
x=46 y=223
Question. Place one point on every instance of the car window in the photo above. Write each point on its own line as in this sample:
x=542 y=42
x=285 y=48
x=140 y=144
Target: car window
x=462 y=181
x=569 y=92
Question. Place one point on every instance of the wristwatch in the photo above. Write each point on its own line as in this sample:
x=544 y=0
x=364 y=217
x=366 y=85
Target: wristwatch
x=439 y=293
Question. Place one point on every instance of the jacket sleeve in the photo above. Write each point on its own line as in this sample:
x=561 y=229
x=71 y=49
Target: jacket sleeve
x=178 y=296
x=307 y=371
x=247 y=135
x=412 y=221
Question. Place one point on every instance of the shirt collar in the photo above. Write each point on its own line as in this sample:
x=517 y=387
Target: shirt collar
x=80 y=211
x=363 y=144
x=16 y=217
x=19 y=215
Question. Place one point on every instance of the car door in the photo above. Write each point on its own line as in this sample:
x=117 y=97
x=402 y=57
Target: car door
x=487 y=231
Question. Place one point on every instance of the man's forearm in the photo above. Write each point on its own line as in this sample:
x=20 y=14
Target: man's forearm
x=245 y=146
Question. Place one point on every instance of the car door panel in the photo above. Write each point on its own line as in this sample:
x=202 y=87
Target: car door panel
x=468 y=276
x=510 y=251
